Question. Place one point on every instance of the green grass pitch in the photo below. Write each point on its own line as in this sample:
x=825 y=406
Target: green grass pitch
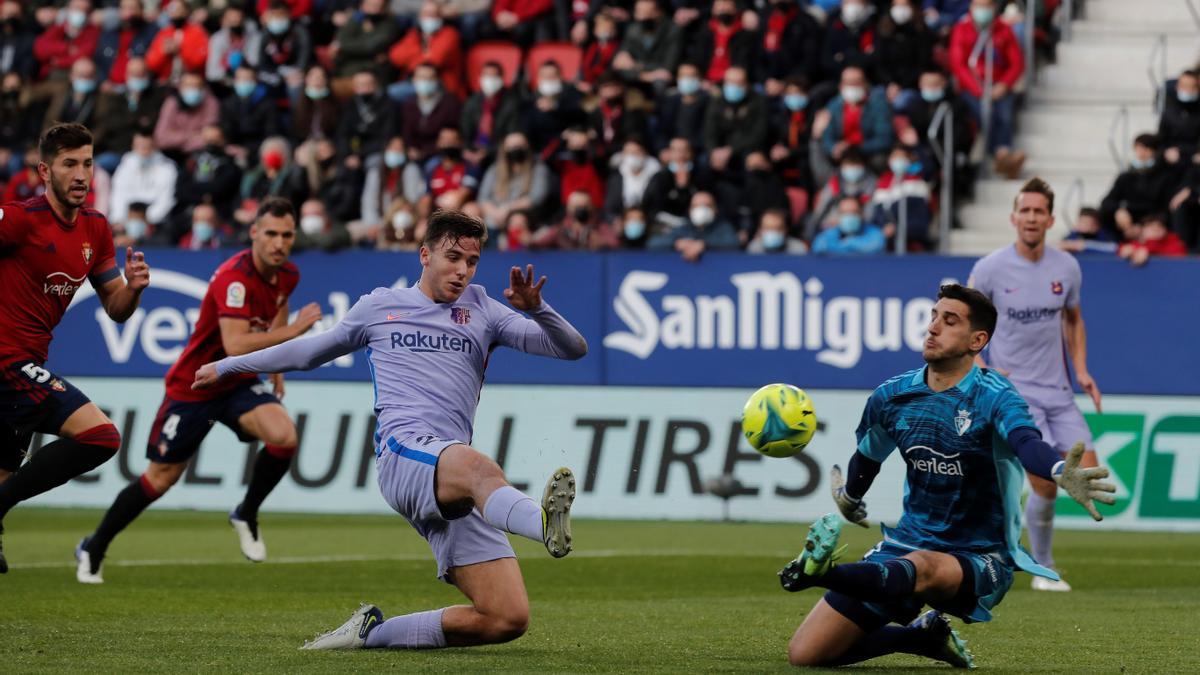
x=634 y=597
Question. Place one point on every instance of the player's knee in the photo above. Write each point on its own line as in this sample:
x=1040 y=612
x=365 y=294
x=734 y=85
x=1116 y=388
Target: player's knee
x=507 y=626
x=104 y=437
x=281 y=438
x=160 y=477
x=803 y=654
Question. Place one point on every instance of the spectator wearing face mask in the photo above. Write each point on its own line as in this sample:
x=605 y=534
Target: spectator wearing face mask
x=248 y=115
x=941 y=15
x=791 y=133
x=184 y=115
x=180 y=47
x=237 y=43
x=144 y=175
x=682 y=110
x=366 y=120
x=423 y=116
x=918 y=116
x=67 y=41
x=517 y=180
x=1087 y=237
x=1179 y=125
x=613 y=119
x=773 y=236
x=78 y=103
x=849 y=39
x=369 y=32
x=1146 y=187
x=285 y=49
x=735 y=123
x=16 y=42
x=763 y=190
x=703 y=230
x=20 y=119
x=599 y=51
x=857 y=116
x=315 y=111
x=27 y=182
x=848 y=234
x=652 y=48
x=790 y=45
x=123 y=110
x=1185 y=207
x=904 y=50
x=852 y=179
x=125 y=36
x=722 y=42
x=633 y=229
x=391 y=176
x=489 y=115
x=517 y=232
x=452 y=178
x=434 y=42
x=627 y=183
x=902 y=194
x=552 y=106
x=206 y=230
x=275 y=176
x=577 y=167
x=136 y=230
x=316 y=230
x=208 y=175
x=581 y=228
x=669 y=195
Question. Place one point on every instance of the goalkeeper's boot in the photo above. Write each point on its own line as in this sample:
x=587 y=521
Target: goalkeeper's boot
x=3 y=562
x=87 y=570
x=945 y=643
x=556 y=512
x=819 y=554
x=249 y=537
x=350 y=635
x=1044 y=584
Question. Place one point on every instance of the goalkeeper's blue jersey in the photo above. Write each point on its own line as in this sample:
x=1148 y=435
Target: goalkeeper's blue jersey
x=963 y=485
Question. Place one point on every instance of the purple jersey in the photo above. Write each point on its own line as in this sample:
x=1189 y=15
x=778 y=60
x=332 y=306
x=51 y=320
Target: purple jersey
x=1030 y=298
x=427 y=358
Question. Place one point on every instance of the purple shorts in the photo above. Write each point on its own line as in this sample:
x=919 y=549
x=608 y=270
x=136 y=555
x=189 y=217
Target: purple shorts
x=1059 y=420
x=407 y=469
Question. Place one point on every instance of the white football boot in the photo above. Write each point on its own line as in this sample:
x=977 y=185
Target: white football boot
x=350 y=635
x=1044 y=584
x=83 y=571
x=249 y=537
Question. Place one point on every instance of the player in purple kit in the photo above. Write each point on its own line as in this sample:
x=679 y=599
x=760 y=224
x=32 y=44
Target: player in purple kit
x=428 y=347
x=1036 y=290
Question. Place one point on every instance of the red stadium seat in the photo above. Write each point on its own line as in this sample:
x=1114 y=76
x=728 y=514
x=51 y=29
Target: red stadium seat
x=507 y=54
x=568 y=56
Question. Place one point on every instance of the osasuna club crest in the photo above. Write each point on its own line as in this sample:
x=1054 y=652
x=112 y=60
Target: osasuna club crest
x=962 y=421
x=87 y=252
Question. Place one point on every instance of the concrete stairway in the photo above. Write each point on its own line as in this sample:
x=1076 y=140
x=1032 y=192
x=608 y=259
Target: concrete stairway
x=1066 y=123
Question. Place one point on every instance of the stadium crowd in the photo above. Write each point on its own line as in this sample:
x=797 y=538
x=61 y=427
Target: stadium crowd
x=770 y=126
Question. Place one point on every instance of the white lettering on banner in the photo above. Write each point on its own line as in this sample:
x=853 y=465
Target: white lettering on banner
x=770 y=311
x=1185 y=472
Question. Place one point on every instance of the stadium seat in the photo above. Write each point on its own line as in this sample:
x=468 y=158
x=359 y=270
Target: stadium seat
x=568 y=56
x=507 y=54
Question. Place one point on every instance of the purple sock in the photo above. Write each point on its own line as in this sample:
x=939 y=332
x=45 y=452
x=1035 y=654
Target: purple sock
x=422 y=630
x=1039 y=518
x=513 y=511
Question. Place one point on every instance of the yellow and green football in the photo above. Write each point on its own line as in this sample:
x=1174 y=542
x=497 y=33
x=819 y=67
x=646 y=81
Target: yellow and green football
x=779 y=420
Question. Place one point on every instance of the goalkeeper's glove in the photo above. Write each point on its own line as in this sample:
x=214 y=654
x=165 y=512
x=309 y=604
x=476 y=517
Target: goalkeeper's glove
x=1084 y=485
x=853 y=509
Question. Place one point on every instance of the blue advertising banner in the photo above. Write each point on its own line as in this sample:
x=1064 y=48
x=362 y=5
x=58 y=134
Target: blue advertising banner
x=654 y=320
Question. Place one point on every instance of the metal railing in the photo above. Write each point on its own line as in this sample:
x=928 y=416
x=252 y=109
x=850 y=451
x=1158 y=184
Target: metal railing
x=1074 y=194
x=1118 y=144
x=943 y=120
x=1158 y=76
x=1194 y=12
x=983 y=48
x=1030 y=33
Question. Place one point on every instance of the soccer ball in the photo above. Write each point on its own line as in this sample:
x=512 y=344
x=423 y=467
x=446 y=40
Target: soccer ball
x=779 y=420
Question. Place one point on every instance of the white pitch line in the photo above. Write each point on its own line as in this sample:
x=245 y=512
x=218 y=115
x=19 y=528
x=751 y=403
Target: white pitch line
x=602 y=553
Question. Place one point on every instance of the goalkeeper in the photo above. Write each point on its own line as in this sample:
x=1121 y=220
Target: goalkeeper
x=964 y=434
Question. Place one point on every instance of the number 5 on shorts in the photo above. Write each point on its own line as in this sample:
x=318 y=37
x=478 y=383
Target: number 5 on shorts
x=35 y=373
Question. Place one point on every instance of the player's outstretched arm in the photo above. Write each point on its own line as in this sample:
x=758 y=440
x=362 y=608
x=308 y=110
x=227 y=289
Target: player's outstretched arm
x=303 y=353
x=1085 y=486
x=549 y=334
x=120 y=297
x=849 y=496
x=237 y=338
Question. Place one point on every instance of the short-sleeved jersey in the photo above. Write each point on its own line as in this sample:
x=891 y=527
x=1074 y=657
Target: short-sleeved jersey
x=1030 y=298
x=963 y=481
x=235 y=291
x=43 y=261
x=428 y=358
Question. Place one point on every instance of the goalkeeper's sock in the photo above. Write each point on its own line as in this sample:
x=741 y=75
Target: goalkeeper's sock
x=887 y=640
x=872 y=581
x=270 y=466
x=1039 y=518
x=513 y=511
x=128 y=505
x=58 y=462
x=422 y=630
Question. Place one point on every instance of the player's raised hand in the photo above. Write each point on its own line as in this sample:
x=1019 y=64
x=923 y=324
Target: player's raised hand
x=853 y=510
x=1084 y=485
x=137 y=272
x=306 y=317
x=522 y=293
x=206 y=376
x=1089 y=387
x=277 y=385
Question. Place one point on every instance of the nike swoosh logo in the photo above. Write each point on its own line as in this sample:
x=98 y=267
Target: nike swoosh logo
x=395 y=317
x=1011 y=290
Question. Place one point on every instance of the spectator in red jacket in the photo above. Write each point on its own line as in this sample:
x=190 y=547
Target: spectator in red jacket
x=523 y=21
x=297 y=9
x=432 y=41
x=181 y=47
x=599 y=53
x=1008 y=66
x=1155 y=240
x=66 y=42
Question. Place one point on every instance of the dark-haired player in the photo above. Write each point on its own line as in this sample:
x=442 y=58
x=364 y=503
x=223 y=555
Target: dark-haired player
x=1036 y=290
x=245 y=309
x=428 y=346
x=964 y=433
x=48 y=246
